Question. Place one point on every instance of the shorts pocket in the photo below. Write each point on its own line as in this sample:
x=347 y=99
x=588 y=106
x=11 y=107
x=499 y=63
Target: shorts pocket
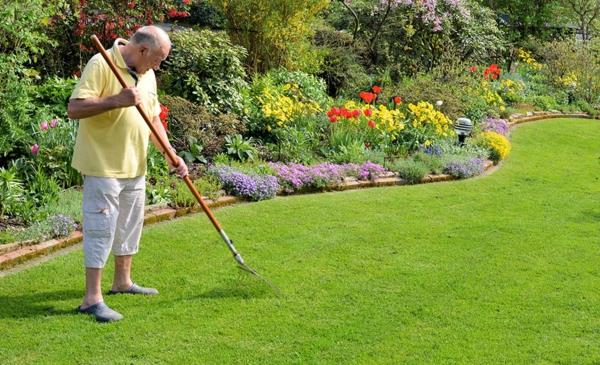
x=96 y=225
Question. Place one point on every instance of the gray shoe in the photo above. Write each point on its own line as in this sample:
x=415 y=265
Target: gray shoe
x=101 y=312
x=135 y=289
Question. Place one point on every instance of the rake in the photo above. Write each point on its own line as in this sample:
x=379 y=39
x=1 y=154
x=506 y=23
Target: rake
x=175 y=162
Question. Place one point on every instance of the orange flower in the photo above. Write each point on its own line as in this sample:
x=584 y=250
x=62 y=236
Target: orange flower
x=376 y=89
x=367 y=97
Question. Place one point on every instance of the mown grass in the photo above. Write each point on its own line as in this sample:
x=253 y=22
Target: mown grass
x=502 y=268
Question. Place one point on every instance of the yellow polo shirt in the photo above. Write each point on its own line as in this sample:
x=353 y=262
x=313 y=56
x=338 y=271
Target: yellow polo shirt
x=113 y=143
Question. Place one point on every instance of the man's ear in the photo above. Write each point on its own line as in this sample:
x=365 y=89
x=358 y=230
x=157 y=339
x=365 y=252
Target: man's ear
x=144 y=50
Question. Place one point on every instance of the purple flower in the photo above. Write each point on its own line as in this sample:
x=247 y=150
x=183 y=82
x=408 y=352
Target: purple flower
x=253 y=187
x=295 y=177
x=465 y=168
x=44 y=125
x=34 y=149
x=499 y=126
x=53 y=123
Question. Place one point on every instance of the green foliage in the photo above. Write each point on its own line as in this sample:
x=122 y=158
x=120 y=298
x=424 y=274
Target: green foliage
x=413 y=171
x=280 y=97
x=11 y=192
x=341 y=69
x=52 y=96
x=194 y=153
x=56 y=142
x=189 y=120
x=434 y=163
x=206 y=68
x=208 y=186
x=403 y=37
x=22 y=28
x=276 y=33
x=240 y=147
x=574 y=67
x=298 y=142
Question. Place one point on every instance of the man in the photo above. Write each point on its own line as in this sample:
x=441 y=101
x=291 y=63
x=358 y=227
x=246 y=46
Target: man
x=110 y=153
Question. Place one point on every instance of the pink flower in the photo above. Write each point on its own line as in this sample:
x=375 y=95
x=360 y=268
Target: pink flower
x=53 y=123
x=35 y=148
x=44 y=125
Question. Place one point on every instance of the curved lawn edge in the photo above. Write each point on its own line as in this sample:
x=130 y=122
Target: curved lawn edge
x=14 y=254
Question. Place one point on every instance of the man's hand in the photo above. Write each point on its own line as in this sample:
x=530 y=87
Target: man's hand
x=181 y=170
x=128 y=96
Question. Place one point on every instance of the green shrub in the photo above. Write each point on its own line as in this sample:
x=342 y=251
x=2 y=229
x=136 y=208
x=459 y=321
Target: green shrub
x=12 y=193
x=208 y=186
x=434 y=163
x=53 y=94
x=187 y=119
x=280 y=97
x=341 y=69
x=206 y=68
x=276 y=33
x=410 y=170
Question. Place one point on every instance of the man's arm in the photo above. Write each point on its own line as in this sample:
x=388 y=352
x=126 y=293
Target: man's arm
x=88 y=107
x=182 y=169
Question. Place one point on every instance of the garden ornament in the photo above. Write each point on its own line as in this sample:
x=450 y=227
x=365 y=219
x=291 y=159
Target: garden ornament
x=463 y=127
x=175 y=162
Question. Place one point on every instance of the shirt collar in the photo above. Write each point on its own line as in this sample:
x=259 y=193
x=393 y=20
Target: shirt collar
x=116 y=52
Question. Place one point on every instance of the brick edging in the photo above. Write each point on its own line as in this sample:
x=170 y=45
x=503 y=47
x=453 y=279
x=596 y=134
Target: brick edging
x=15 y=253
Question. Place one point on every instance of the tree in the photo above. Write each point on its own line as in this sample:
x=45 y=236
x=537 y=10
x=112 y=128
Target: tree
x=585 y=12
x=523 y=17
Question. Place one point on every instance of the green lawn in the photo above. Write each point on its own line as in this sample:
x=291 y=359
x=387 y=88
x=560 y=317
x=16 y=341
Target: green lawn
x=503 y=268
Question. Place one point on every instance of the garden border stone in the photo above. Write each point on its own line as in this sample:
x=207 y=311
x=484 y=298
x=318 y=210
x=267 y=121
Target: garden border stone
x=13 y=254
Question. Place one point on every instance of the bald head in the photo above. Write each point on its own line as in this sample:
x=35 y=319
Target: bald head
x=147 y=48
x=151 y=36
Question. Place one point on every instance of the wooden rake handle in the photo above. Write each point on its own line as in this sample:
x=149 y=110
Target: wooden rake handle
x=170 y=154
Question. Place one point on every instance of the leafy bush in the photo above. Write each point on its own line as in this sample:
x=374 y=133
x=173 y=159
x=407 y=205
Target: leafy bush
x=410 y=170
x=52 y=150
x=208 y=186
x=341 y=68
x=279 y=97
x=11 y=192
x=188 y=120
x=433 y=161
x=276 y=33
x=497 y=144
x=206 y=68
x=52 y=96
x=297 y=142
x=574 y=67
x=240 y=147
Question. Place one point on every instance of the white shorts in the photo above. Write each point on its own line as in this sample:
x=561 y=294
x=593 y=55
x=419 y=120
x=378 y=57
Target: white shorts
x=113 y=217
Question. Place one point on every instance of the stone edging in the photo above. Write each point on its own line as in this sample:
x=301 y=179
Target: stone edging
x=17 y=253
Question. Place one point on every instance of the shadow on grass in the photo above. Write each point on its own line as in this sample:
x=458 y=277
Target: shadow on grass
x=38 y=304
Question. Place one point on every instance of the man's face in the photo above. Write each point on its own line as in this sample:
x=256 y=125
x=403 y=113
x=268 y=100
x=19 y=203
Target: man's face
x=151 y=58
